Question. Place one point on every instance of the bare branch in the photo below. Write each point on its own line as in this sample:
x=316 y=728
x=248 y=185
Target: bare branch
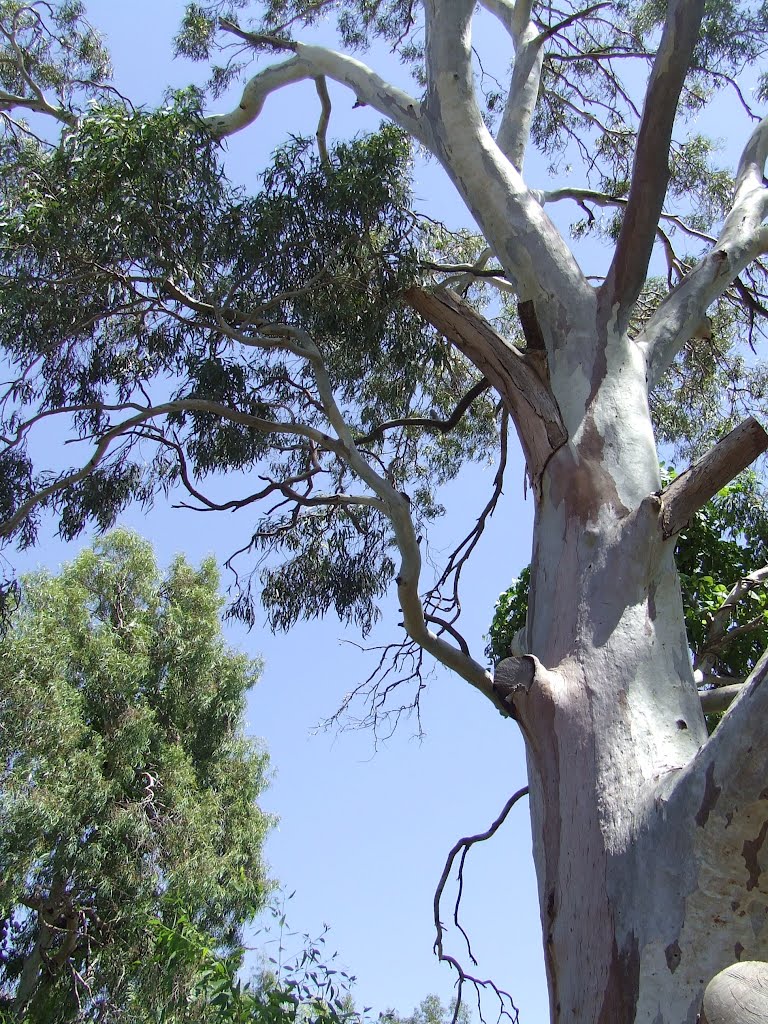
x=325 y=117
x=742 y=238
x=462 y=847
x=426 y=422
x=38 y=104
x=749 y=175
x=493 y=190
x=693 y=488
x=720 y=698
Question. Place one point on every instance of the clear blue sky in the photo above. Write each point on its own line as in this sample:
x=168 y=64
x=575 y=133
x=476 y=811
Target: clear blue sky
x=363 y=835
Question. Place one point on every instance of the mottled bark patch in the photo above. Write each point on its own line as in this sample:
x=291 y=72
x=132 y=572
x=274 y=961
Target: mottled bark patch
x=750 y=851
x=673 y=955
x=581 y=480
x=708 y=801
x=623 y=985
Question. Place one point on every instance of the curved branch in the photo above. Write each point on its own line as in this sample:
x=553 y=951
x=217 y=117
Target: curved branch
x=38 y=104
x=524 y=392
x=426 y=422
x=313 y=62
x=180 y=405
x=749 y=174
x=463 y=847
x=743 y=238
x=528 y=245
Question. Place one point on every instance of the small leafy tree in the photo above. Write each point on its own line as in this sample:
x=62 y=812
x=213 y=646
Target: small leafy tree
x=296 y=987
x=128 y=787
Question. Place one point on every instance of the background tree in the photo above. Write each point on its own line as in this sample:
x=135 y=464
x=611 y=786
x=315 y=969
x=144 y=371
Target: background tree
x=128 y=791
x=185 y=328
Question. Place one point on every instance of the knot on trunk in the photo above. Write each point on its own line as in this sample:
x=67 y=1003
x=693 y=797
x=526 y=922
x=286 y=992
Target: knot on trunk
x=514 y=678
x=737 y=995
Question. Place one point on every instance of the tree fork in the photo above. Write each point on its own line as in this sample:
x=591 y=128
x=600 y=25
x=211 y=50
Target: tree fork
x=519 y=377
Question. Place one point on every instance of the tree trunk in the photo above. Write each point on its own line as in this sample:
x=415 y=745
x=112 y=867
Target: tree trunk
x=642 y=852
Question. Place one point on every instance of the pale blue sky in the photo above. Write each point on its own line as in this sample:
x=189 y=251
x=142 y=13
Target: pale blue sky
x=363 y=835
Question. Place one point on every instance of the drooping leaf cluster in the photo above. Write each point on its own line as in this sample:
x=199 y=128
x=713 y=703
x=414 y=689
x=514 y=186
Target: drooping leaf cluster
x=168 y=295
x=127 y=787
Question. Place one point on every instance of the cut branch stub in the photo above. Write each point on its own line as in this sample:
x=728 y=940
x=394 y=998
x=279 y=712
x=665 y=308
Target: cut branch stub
x=719 y=699
x=512 y=373
x=701 y=481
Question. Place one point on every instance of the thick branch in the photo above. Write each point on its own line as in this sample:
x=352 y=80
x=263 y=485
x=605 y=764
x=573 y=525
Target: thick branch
x=650 y=174
x=701 y=481
x=528 y=245
x=749 y=174
x=38 y=104
x=312 y=62
x=397 y=507
x=719 y=699
x=514 y=374
x=722 y=799
x=742 y=239
x=514 y=130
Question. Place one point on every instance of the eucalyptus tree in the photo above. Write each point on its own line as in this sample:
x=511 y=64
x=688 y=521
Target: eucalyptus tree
x=128 y=789
x=336 y=357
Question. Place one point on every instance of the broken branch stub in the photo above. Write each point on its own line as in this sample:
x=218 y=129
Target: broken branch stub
x=701 y=481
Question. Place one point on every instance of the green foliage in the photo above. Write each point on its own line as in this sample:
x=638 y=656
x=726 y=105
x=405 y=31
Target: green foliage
x=293 y=988
x=509 y=615
x=91 y=303
x=61 y=51
x=725 y=541
x=127 y=787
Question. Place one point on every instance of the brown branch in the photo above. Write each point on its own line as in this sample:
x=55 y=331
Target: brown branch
x=426 y=422
x=514 y=374
x=462 y=847
x=650 y=173
x=701 y=481
x=257 y=39
x=444 y=625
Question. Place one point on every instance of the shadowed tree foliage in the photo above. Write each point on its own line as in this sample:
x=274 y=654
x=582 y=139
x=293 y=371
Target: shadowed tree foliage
x=127 y=790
